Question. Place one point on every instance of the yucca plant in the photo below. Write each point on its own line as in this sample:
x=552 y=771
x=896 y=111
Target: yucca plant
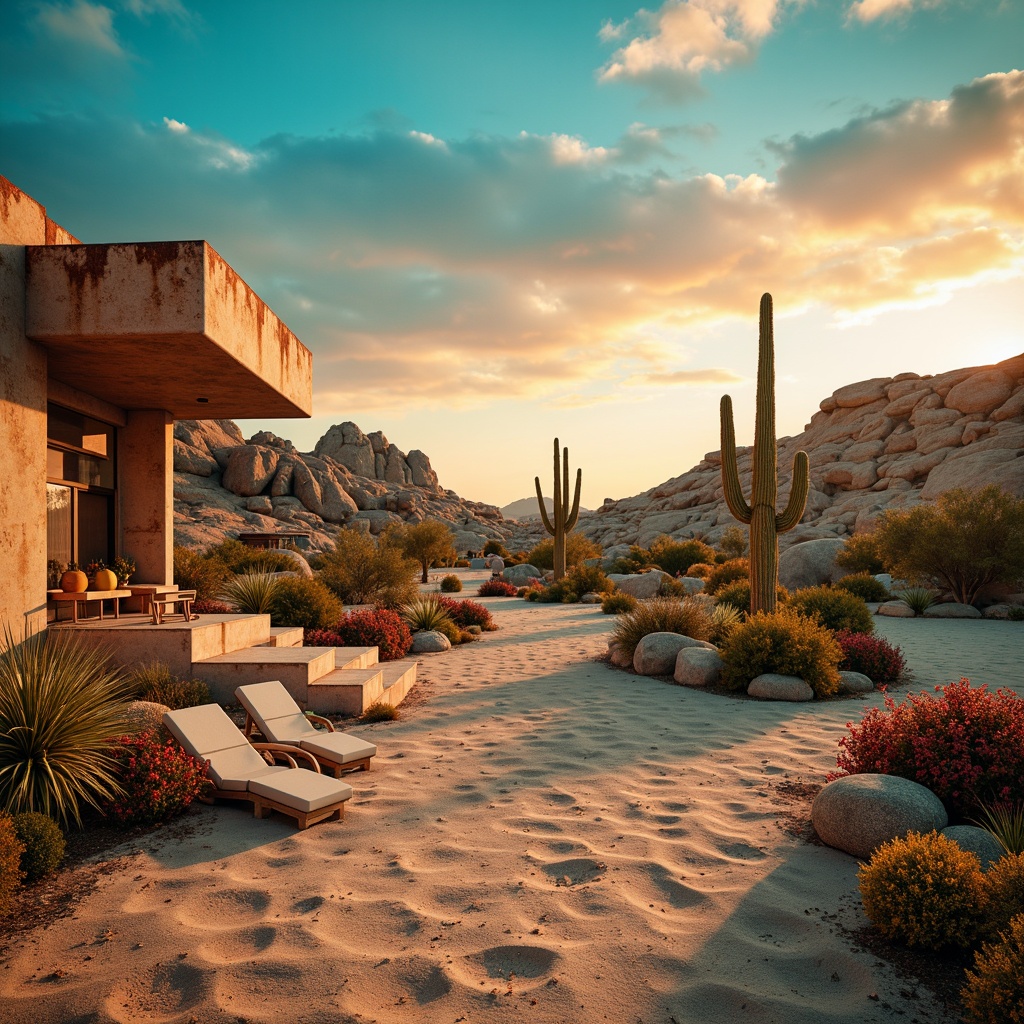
x=917 y=598
x=662 y=615
x=1006 y=823
x=724 y=618
x=427 y=613
x=60 y=705
x=252 y=592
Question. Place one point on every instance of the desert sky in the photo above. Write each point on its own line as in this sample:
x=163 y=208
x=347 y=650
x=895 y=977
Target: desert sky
x=494 y=223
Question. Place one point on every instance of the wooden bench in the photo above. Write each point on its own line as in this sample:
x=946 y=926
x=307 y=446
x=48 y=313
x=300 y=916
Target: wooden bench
x=84 y=597
x=165 y=603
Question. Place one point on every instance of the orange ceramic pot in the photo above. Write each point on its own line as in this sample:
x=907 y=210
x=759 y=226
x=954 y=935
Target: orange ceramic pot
x=74 y=582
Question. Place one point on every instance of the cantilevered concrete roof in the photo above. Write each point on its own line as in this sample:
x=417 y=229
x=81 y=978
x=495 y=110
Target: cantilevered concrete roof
x=162 y=325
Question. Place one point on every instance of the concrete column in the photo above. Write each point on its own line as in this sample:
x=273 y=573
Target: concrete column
x=145 y=461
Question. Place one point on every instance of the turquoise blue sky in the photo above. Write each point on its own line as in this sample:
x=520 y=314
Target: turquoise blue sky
x=497 y=222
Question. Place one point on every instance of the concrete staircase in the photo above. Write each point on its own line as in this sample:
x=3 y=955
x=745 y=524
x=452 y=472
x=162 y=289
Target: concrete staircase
x=227 y=651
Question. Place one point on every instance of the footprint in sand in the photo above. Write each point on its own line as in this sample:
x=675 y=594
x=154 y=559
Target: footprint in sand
x=576 y=871
x=507 y=961
x=224 y=908
x=161 y=993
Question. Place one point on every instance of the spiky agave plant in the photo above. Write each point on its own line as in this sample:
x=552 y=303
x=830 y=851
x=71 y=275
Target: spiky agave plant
x=426 y=613
x=251 y=592
x=60 y=705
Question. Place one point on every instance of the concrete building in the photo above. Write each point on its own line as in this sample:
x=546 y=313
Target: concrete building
x=102 y=347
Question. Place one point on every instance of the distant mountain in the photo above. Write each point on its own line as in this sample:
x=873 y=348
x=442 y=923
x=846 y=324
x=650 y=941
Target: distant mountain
x=526 y=508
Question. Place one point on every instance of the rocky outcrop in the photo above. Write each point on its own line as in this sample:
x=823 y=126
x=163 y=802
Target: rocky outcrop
x=224 y=485
x=885 y=443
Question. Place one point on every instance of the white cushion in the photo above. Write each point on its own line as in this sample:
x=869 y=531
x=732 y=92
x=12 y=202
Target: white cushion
x=339 y=747
x=235 y=768
x=288 y=728
x=204 y=730
x=302 y=790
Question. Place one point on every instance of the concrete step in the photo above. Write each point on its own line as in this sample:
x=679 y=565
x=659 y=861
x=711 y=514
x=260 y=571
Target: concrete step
x=296 y=667
x=399 y=679
x=355 y=657
x=284 y=636
x=347 y=691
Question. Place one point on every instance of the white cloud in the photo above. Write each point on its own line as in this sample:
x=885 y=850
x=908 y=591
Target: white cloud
x=873 y=10
x=82 y=24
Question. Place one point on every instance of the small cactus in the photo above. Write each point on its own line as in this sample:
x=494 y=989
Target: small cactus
x=765 y=523
x=564 y=518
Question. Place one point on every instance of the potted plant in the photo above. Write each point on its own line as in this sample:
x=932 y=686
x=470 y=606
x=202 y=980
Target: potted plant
x=124 y=567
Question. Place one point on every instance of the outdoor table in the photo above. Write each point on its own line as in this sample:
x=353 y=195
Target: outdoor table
x=84 y=597
x=147 y=591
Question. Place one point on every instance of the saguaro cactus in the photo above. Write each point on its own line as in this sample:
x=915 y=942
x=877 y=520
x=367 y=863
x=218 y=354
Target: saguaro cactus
x=564 y=518
x=765 y=523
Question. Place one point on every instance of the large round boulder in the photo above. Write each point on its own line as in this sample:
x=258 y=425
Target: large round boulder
x=810 y=563
x=951 y=610
x=978 y=841
x=429 y=641
x=697 y=666
x=896 y=610
x=617 y=656
x=656 y=653
x=640 y=585
x=520 y=575
x=854 y=682
x=858 y=813
x=772 y=686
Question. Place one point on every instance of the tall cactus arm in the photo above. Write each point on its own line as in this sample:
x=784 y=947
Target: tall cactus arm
x=730 y=474
x=559 y=510
x=575 y=513
x=798 y=489
x=543 y=510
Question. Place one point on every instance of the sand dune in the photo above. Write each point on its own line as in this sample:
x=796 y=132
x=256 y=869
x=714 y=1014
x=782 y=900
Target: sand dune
x=542 y=838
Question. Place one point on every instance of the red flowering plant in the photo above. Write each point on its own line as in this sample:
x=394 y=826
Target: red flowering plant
x=872 y=656
x=381 y=628
x=159 y=780
x=468 y=613
x=966 y=746
x=497 y=588
x=209 y=606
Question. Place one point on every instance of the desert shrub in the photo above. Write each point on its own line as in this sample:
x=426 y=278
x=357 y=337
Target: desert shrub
x=964 y=541
x=872 y=656
x=923 y=890
x=786 y=642
x=577 y=549
x=380 y=627
x=966 y=746
x=210 y=607
x=733 y=542
x=43 y=841
x=861 y=554
x=728 y=572
x=1003 y=886
x=461 y=563
x=427 y=613
x=305 y=602
x=252 y=592
x=495 y=547
x=835 y=609
x=241 y=558
x=1006 y=822
x=59 y=703
x=192 y=571
x=618 y=602
x=468 y=613
x=159 y=780
x=674 y=556
x=724 y=618
x=864 y=586
x=994 y=993
x=917 y=598
x=381 y=711
x=359 y=571
x=1016 y=613
x=497 y=588
x=11 y=850
x=155 y=682
x=738 y=595
x=578 y=580
x=448 y=628
x=428 y=543
x=451 y=584
x=661 y=615
x=700 y=570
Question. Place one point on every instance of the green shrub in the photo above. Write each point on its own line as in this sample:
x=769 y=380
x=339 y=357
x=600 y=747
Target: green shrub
x=618 y=602
x=241 y=558
x=864 y=586
x=427 y=613
x=381 y=711
x=155 y=682
x=923 y=890
x=861 y=554
x=994 y=993
x=700 y=570
x=674 y=556
x=963 y=542
x=1003 y=886
x=1015 y=613
x=917 y=598
x=251 y=592
x=359 y=571
x=784 y=642
x=724 y=619
x=733 y=543
x=11 y=850
x=728 y=572
x=60 y=701
x=1006 y=822
x=428 y=544
x=661 y=615
x=835 y=609
x=43 y=841
x=577 y=549
x=495 y=547
x=451 y=584
x=579 y=580
x=738 y=595
x=206 y=576
x=301 y=601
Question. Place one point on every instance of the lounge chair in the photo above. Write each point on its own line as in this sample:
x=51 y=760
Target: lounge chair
x=238 y=770
x=269 y=707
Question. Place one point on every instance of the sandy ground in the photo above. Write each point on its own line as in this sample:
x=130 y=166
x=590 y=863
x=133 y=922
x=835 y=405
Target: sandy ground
x=541 y=838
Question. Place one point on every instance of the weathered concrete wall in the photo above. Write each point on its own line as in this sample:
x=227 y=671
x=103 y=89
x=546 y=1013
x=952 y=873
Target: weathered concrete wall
x=145 y=459
x=22 y=424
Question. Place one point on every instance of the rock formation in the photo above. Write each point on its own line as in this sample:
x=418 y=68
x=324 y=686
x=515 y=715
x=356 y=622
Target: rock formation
x=879 y=444
x=224 y=484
